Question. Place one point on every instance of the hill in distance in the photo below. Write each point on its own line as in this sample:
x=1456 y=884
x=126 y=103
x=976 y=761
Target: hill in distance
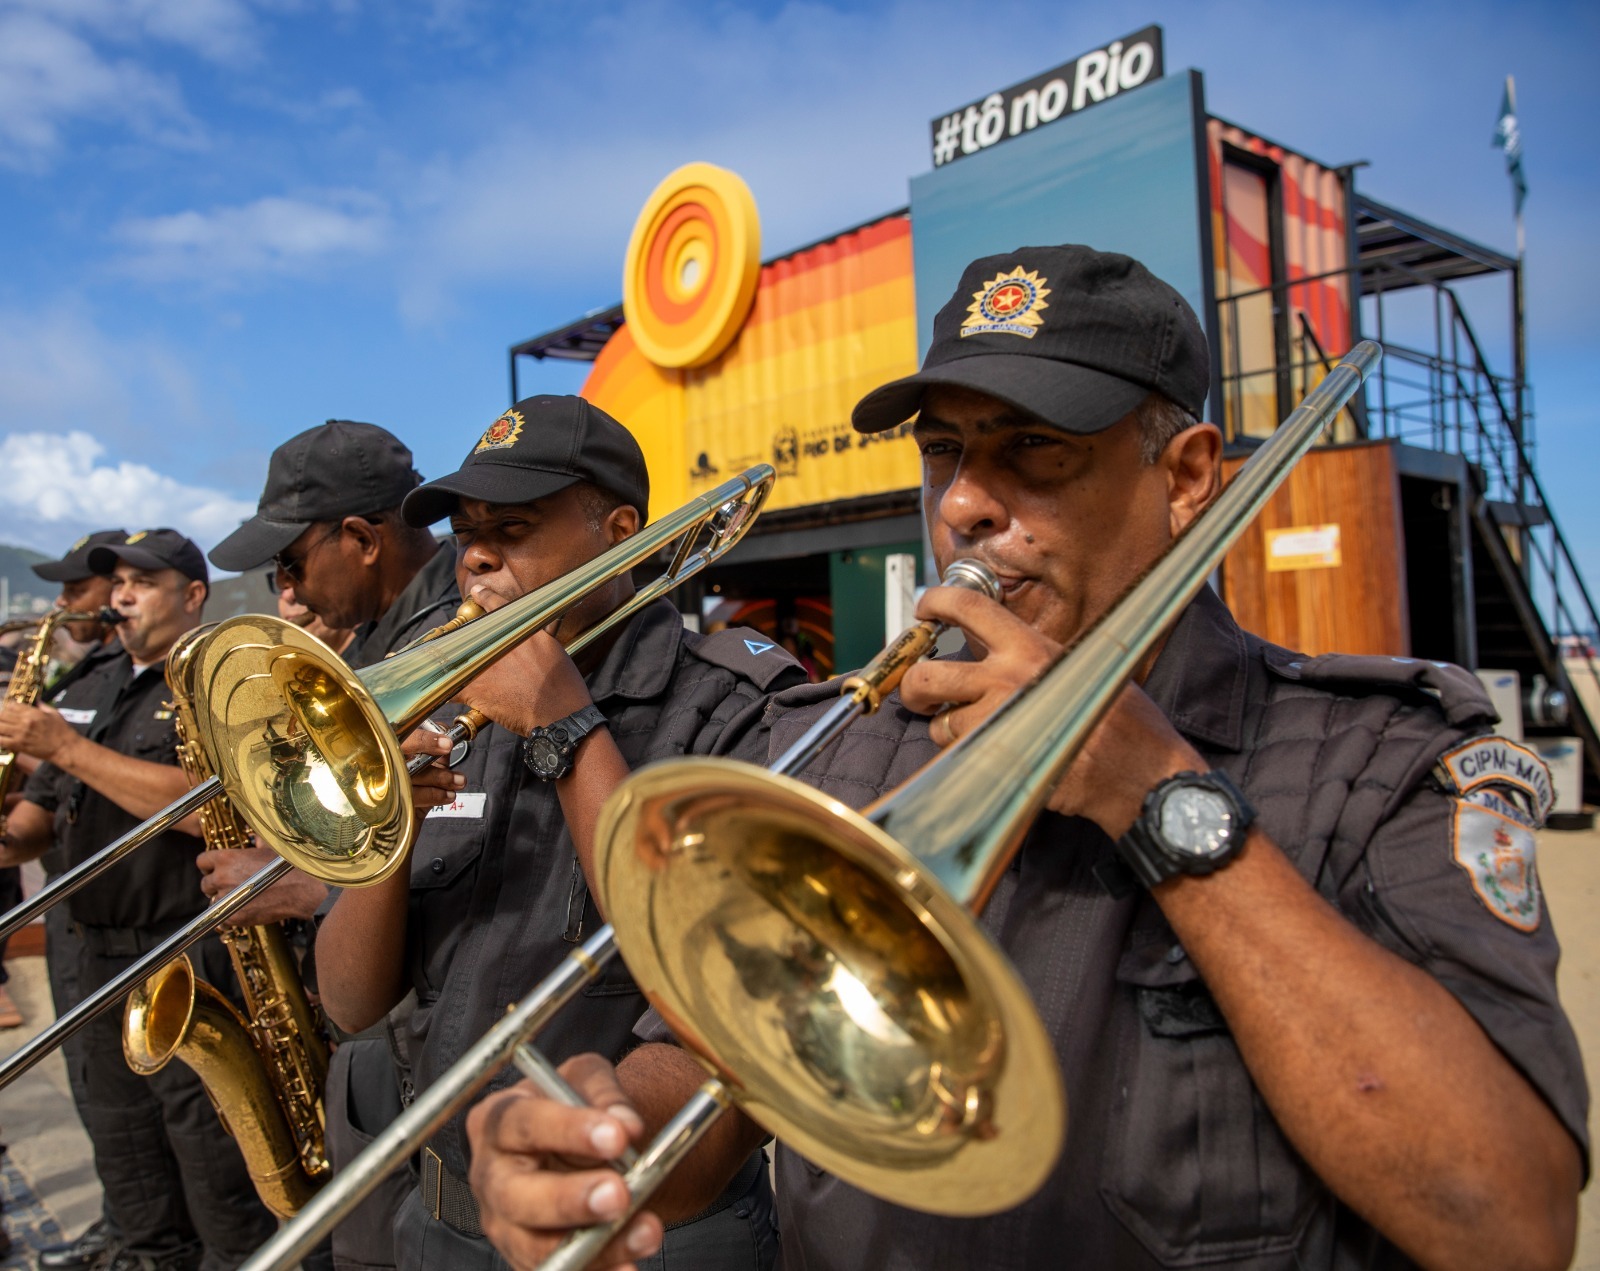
x=25 y=585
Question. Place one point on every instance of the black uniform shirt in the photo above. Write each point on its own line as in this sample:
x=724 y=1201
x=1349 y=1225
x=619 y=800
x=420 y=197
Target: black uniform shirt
x=430 y=598
x=497 y=895
x=77 y=708
x=71 y=674
x=1172 y=1158
x=158 y=885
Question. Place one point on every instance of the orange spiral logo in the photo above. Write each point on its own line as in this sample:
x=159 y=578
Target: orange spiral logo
x=693 y=264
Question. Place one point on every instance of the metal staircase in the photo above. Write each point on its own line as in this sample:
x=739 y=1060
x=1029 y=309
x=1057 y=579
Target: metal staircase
x=1531 y=611
x=1534 y=613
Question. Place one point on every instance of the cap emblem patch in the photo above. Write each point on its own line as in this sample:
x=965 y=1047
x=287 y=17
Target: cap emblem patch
x=134 y=538
x=1008 y=303
x=502 y=434
x=77 y=545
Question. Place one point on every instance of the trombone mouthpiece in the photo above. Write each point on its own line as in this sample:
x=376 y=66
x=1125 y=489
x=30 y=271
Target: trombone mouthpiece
x=974 y=575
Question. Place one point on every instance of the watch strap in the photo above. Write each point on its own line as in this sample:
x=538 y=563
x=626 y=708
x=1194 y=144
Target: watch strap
x=577 y=725
x=564 y=734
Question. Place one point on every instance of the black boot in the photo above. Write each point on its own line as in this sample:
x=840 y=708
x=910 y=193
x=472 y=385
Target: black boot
x=87 y=1250
x=182 y=1260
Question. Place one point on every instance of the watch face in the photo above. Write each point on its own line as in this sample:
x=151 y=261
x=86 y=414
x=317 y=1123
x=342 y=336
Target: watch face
x=1196 y=821
x=543 y=754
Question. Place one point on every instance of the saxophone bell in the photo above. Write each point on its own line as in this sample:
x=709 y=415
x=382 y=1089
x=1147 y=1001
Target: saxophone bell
x=175 y=1014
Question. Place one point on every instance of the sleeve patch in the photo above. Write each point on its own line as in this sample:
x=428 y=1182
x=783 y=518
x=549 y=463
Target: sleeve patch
x=747 y=653
x=1497 y=854
x=1495 y=762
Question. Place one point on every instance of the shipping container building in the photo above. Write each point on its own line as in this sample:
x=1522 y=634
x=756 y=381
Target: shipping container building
x=1419 y=529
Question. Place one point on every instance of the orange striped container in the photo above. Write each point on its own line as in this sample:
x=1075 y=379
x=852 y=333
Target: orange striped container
x=829 y=324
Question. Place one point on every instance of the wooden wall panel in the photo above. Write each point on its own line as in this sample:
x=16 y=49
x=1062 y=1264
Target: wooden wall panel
x=1357 y=606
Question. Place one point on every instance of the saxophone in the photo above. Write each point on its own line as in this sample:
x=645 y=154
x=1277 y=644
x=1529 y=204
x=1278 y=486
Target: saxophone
x=265 y=1071
x=27 y=677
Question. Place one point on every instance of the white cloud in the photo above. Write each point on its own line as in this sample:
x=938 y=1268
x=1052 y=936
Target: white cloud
x=59 y=486
x=50 y=76
x=75 y=399
x=219 y=30
x=68 y=62
x=269 y=236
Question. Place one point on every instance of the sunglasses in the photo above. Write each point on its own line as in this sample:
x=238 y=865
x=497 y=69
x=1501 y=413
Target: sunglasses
x=292 y=567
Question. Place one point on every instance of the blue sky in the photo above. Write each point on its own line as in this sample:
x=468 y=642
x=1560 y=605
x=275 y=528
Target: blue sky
x=227 y=220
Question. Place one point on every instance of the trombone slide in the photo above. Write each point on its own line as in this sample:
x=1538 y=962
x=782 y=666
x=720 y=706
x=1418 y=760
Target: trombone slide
x=87 y=871
x=114 y=990
x=408 y=1133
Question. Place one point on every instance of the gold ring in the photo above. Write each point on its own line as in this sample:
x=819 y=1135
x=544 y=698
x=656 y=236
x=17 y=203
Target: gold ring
x=943 y=717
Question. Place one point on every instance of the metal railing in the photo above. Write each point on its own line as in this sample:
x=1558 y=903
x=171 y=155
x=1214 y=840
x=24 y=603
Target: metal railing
x=1444 y=398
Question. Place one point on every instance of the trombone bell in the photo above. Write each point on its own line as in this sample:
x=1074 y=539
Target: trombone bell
x=304 y=751
x=309 y=751
x=819 y=969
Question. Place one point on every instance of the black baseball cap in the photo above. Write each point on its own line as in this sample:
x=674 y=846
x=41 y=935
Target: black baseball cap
x=338 y=469
x=153 y=549
x=1073 y=336
x=74 y=566
x=538 y=447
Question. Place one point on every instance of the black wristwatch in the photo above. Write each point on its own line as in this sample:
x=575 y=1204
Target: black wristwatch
x=1192 y=823
x=548 y=750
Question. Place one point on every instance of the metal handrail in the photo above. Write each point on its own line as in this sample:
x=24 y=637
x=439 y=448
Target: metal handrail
x=1466 y=409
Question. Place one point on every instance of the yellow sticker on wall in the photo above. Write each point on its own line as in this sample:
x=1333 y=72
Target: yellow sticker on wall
x=1302 y=547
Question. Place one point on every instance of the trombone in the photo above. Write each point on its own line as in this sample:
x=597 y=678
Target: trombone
x=309 y=751
x=825 y=965
x=860 y=694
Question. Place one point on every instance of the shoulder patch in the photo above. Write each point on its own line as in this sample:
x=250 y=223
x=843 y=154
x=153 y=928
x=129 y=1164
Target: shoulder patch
x=1459 y=694
x=1497 y=854
x=1488 y=797
x=748 y=654
x=1500 y=765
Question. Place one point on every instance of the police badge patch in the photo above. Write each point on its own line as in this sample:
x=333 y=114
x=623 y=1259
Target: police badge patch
x=1496 y=763
x=1008 y=303
x=1497 y=854
x=502 y=434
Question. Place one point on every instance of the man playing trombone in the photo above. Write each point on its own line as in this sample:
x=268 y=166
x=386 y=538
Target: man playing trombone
x=496 y=893
x=1281 y=919
x=328 y=523
x=176 y=1186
